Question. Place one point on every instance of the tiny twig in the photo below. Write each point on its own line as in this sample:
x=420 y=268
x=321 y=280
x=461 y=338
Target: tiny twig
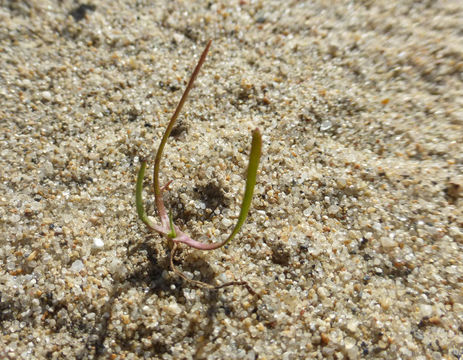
x=165 y=187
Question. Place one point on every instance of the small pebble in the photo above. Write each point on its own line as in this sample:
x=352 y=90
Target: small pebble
x=77 y=266
x=98 y=243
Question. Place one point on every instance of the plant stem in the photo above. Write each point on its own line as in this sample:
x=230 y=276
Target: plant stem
x=157 y=162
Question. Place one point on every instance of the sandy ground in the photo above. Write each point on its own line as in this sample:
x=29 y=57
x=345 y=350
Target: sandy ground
x=354 y=241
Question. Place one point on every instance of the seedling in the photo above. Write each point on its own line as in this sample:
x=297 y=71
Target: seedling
x=167 y=227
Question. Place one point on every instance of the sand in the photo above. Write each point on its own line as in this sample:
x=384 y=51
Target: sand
x=354 y=241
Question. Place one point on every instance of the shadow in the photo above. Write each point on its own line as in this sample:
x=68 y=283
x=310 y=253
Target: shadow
x=213 y=196
x=207 y=338
x=193 y=262
x=148 y=275
x=96 y=338
x=212 y=298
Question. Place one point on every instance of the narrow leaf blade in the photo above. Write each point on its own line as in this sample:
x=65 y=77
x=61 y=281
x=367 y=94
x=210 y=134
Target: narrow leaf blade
x=139 y=196
x=254 y=159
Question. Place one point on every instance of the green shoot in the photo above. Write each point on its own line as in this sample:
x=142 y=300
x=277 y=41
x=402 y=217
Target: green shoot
x=167 y=226
x=172 y=234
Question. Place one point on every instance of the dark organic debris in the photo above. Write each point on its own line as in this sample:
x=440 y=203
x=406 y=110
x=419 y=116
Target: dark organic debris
x=81 y=11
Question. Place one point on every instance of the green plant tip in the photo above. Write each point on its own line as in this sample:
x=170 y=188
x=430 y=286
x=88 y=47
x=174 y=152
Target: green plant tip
x=172 y=234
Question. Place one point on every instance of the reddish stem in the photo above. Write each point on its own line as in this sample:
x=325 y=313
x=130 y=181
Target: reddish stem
x=157 y=161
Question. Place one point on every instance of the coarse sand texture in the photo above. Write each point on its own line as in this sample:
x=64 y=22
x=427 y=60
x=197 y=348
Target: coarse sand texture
x=353 y=245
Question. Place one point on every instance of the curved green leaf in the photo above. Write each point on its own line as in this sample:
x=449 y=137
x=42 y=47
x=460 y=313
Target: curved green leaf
x=254 y=158
x=139 y=196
